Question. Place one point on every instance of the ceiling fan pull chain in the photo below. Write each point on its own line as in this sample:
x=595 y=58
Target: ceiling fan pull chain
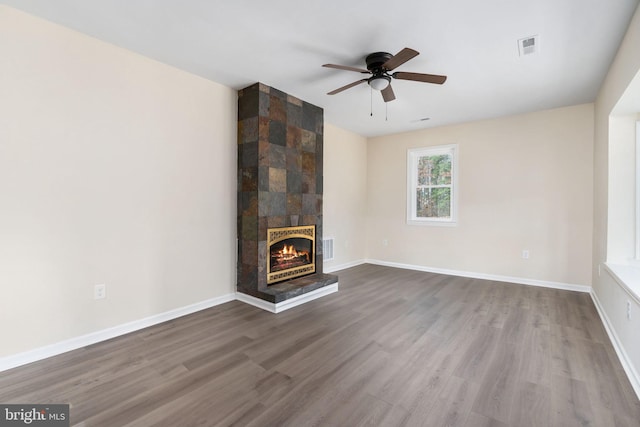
x=371 y=93
x=386 y=111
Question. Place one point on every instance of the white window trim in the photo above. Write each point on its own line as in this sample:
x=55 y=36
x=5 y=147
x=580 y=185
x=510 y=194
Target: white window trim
x=412 y=158
x=637 y=234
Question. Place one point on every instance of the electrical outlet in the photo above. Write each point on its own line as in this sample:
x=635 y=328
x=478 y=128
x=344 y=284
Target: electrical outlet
x=385 y=242
x=100 y=291
x=628 y=310
x=525 y=254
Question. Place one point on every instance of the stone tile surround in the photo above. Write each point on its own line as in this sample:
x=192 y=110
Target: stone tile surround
x=280 y=146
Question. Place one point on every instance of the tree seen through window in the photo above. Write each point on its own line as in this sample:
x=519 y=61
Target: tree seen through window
x=433 y=190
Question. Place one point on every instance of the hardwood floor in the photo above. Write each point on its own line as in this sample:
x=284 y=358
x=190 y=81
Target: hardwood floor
x=391 y=348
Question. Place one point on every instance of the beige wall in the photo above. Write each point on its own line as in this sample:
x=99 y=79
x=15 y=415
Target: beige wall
x=114 y=169
x=344 y=198
x=612 y=298
x=525 y=182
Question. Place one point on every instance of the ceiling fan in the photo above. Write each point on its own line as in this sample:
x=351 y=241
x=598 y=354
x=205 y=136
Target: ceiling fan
x=379 y=65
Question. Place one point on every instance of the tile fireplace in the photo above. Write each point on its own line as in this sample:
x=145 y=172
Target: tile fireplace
x=280 y=164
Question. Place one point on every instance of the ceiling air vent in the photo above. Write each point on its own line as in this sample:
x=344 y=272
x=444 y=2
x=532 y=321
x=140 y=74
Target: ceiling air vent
x=529 y=45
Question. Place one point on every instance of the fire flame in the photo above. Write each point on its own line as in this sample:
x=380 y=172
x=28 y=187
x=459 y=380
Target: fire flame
x=289 y=252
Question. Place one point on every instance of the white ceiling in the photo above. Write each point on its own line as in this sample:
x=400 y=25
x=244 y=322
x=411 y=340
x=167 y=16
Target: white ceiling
x=283 y=43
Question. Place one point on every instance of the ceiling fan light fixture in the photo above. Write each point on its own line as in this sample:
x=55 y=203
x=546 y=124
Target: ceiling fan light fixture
x=379 y=82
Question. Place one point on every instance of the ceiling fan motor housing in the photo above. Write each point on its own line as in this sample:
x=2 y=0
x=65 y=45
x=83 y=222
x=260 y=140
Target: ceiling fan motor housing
x=376 y=60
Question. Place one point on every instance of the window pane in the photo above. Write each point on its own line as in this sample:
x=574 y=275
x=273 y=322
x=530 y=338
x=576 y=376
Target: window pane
x=434 y=170
x=433 y=203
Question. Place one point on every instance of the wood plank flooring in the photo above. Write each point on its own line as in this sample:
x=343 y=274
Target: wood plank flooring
x=391 y=348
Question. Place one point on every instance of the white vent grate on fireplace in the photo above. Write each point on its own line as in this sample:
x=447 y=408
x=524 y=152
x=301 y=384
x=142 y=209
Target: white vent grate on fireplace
x=327 y=249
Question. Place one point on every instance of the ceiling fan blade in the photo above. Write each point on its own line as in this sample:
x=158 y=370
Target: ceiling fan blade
x=400 y=58
x=347 y=68
x=387 y=94
x=419 y=77
x=350 y=85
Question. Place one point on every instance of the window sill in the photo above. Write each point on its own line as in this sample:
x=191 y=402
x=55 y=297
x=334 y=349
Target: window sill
x=433 y=223
x=628 y=276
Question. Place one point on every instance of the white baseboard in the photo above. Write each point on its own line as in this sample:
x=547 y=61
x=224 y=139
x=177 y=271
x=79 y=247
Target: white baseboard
x=632 y=374
x=484 y=276
x=256 y=302
x=334 y=268
x=290 y=303
x=30 y=356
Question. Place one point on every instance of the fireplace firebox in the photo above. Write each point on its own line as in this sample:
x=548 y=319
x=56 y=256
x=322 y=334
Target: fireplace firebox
x=290 y=252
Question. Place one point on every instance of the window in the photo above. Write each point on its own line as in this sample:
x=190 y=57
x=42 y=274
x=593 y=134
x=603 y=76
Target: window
x=431 y=185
